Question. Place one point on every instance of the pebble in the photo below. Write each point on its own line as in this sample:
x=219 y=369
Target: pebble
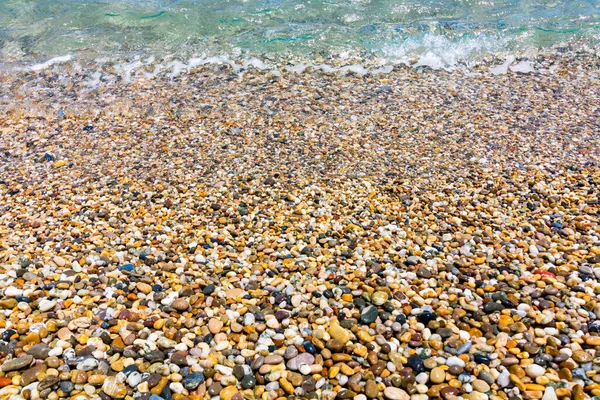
x=180 y=304
x=535 y=370
x=339 y=333
x=393 y=393
x=39 y=351
x=228 y=393
x=437 y=375
x=193 y=380
x=46 y=305
x=371 y=389
x=480 y=386
x=17 y=363
x=113 y=388
x=369 y=315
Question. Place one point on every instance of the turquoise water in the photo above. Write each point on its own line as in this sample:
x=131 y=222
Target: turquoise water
x=455 y=31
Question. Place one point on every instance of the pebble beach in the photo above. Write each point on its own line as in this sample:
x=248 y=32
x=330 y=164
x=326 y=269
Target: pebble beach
x=413 y=235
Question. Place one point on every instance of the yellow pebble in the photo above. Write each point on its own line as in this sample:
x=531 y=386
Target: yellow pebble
x=455 y=383
x=286 y=385
x=542 y=380
x=517 y=381
x=333 y=371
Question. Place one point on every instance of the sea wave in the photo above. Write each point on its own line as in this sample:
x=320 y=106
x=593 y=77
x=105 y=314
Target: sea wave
x=479 y=54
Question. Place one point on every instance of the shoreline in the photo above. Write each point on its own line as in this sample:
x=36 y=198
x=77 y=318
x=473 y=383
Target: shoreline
x=409 y=235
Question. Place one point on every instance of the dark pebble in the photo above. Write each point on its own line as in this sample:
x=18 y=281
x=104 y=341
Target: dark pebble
x=416 y=363
x=248 y=382
x=369 y=315
x=492 y=307
x=482 y=359
x=193 y=380
x=309 y=347
x=425 y=317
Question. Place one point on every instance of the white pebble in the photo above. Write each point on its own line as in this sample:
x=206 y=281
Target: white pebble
x=455 y=362
x=176 y=387
x=534 y=370
x=422 y=378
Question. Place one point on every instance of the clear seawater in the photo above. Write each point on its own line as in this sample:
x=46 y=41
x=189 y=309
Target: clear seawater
x=451 y=31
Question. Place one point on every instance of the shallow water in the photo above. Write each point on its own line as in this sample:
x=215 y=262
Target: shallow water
x=446 y=32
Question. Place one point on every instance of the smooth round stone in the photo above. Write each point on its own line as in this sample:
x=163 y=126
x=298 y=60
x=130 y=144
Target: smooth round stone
x=416 y=363
x=448 y=392
x=444 y=332
x=114 y=388
x=464 y=348
x=67 y=386
x=46 y=305
x=248 y=382
x=134 y=379
x=272 y=359
x=193 y=380
x=290 y=352
x=340 y=334
x=257 y=363
x=238 y=372
x=480 y=386
x=581 y=356
x=437 y=375
x=534 y=370
x=281 y=315
x=424 y=273
x=302 y=358
x=393 y=393
x=455 y=370
x=310 y=347
x=215 y=325
x=209 y=289
x=378 y=298
x=305 y=369
x=422 y=378
x=214 y=389
x=335 y=346
x=53 y=362
x=371 y=389
x=228 y=393
x=549 y=394
x=39 y=351
x=578 y=393
x=503 y=379
x=486 y=377
x=294 y=378
x=369 y=315
x=345 y=394
x=425 y=317
x=455 y=361
x=482 y=359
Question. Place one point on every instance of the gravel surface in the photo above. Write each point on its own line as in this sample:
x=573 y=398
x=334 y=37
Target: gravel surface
x=418 y=234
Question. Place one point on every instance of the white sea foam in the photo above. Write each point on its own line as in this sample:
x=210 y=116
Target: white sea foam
x=440 y=55
x=440 y=52
x=94 y=82
x=51 y=62
x=386 y=69
x=256 y=63
x=524 y=67
x=502 y=69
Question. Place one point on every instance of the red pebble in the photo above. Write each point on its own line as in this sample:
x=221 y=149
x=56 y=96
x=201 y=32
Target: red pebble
x=544 y=274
